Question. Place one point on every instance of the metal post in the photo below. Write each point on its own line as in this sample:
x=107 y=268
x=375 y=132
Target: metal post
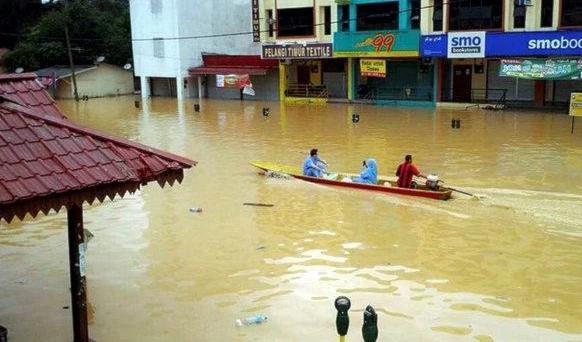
x=572 y=131
x=77 y=272
x=76 y=94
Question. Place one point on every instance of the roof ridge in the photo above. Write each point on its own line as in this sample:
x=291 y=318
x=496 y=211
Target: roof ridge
x=63 y=122
x=25 y=75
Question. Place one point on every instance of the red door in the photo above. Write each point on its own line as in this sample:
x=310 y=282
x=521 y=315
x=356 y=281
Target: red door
x=462 y=75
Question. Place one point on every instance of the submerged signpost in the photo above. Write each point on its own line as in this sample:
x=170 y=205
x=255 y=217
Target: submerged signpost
x=575 y=107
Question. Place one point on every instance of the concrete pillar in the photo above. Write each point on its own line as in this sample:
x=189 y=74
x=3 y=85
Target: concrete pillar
x=426 y=13
x=199 y=87
x=404 y=15
x=351 y=83
x=145 y=87
x=353 y=17
x=180 y=87
x=446 y=11
x=282 y=80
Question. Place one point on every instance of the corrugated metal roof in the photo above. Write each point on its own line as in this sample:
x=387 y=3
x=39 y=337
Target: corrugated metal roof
x=60 y=71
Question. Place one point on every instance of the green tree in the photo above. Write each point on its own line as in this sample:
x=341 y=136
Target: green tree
x=96 y=28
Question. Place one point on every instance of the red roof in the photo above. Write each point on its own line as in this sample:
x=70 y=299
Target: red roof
x=26 y=90
x=234 y=64
x=47 y=162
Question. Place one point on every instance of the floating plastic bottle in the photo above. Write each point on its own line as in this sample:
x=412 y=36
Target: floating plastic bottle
x=196 y=209
x=256 y=319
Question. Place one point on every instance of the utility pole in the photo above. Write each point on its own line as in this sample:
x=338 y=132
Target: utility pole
x=76 y=94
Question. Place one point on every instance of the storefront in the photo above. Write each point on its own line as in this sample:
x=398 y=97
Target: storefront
x=477 y=64
x=234 y=77
x=385 y=67
x=307 y=71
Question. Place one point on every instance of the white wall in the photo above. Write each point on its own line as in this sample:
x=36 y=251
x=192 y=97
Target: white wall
x=188 y=18
x=147 y=25
x=104 y=80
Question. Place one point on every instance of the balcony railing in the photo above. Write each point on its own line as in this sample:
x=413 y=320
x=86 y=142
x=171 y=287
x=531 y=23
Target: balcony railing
x=372 y=93
x=307 y=90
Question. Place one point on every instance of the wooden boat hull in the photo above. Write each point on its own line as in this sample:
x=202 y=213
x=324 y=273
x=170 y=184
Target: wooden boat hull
x=383 y=185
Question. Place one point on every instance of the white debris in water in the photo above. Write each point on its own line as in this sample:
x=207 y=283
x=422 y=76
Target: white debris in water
x=274 y=174
x=352 y=245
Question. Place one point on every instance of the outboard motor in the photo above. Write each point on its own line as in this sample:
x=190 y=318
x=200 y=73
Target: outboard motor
x=432 y=182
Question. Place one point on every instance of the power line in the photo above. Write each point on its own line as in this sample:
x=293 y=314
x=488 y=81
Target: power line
x=233 y=34
x=242 y=33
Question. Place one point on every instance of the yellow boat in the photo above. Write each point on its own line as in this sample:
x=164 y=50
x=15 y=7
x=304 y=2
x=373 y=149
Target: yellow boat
x=336 y=179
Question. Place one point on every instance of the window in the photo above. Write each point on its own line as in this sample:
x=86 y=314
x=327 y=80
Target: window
x=345 y=18
x=295 y=22
x=547 y=13
x=159 y=47
x=156 y=6
x=475 y=15
x=415 y=14
x=378 y=16
x=270 y=22
x=437 y=16
x=518 y=17
x=571 y=13
x=327 y=20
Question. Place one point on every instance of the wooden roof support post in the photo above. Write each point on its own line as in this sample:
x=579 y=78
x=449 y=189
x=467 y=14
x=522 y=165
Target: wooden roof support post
x=77 y=271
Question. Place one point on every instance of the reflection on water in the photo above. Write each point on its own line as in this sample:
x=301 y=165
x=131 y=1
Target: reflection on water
x=500 y=266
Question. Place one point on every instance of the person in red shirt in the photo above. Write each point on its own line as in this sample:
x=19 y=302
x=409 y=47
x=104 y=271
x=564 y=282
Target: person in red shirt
x=406 y=171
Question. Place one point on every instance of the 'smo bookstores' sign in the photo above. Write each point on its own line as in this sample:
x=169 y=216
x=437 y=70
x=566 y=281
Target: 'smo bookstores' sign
x=502 y=44
x=466 y=45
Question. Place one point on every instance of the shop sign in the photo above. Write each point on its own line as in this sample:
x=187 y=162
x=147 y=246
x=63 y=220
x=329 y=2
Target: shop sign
x=297 y=51
x=232 y=81
x=378 y=44
x=576 y=104
x=433 y=45
x=466 y=45
x=373 y=67
x=560 y=43
x=542 y=69
x=256 y=21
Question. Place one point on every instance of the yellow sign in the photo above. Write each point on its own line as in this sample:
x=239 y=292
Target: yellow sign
x=576 y=104
x=373 y=67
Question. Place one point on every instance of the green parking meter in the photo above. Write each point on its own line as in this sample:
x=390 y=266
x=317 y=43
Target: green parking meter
x=370 y=327
x=342 y=320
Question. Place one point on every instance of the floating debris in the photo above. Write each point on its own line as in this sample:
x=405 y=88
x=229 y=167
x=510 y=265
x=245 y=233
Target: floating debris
x=196 y=209
x=275 y=174
x=259 y=204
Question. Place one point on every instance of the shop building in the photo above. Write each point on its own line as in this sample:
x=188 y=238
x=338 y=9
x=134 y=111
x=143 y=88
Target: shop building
x=380 y=40
x=170 y=37
x=298 y=34
x=523 y=53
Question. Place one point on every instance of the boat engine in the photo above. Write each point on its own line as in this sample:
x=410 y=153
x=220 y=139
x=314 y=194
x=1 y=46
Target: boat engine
x=432 y=182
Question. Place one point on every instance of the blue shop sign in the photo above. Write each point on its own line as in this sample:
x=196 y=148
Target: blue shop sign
x=556 y=43
x=513 y=44
x=434 y=45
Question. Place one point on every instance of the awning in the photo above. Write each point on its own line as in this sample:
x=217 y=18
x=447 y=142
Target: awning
x=230 y=64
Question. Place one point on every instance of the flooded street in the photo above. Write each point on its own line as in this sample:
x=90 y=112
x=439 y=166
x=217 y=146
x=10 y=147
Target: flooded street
x=501 y=266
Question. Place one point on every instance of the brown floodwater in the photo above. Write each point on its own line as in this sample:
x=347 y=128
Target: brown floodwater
x=504 y=265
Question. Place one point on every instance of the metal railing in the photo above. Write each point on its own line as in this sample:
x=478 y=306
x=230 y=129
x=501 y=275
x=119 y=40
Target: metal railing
x=491 y=95
x=306 y=90
x=372 y=93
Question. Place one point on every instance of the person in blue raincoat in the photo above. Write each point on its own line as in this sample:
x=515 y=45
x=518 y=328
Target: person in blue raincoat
x=313 y=165
x=370 y=173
